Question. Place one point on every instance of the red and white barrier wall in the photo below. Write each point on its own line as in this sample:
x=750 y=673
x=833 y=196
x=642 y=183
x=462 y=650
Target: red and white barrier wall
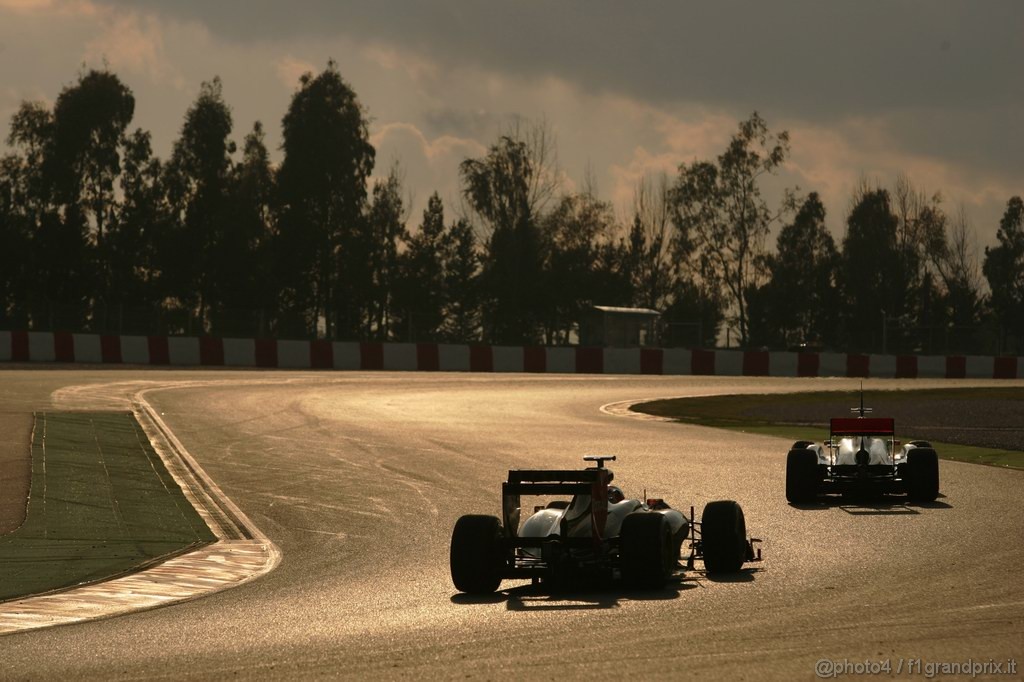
x=190 y=351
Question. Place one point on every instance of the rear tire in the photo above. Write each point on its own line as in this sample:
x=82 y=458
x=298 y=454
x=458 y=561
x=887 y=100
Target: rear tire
x=801 y=444
x=723 y=533
x=801 y=476
x=476 y=559
x=922 y=475
x=645 y=551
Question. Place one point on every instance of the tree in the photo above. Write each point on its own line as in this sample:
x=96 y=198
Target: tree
x=60 y=258
x=572 y=236
x=139 y=225
x=800 y=302
x=509 y=189
x=936 y=272
x=614 y=273
x=23 y=202
x=461 y=283
x=653 y=269
x=874 y=289
x=67 y=175
x=947 y=284
x=322 y=182
x=15 y=243
x=922 y=249
x=695 y=314
x=420 y=292
x=31 y=135
x=1004 y=270
x=197 y=180
x=959 y=269
x=372 y=282
x=89 y=122
x=243 y=286
x=721 y=216
x=83 y=160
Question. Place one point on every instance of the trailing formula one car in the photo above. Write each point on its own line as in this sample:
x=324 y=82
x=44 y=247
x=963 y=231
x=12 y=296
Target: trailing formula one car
x=862 y=457
x=595 y=537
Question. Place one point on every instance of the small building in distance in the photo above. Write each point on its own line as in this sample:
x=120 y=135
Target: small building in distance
x=611 y=326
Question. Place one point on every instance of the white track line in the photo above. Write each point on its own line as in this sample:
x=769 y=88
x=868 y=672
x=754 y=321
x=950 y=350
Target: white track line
x=621 y=409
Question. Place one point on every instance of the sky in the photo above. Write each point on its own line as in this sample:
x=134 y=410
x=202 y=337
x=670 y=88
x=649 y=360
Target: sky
x=867 y=90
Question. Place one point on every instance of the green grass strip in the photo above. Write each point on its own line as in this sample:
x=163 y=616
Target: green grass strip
x=751 y=414
x=101 y=504
x=952 y=451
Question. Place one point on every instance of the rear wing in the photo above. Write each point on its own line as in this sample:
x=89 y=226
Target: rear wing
x=592 y=482
x=868 y=426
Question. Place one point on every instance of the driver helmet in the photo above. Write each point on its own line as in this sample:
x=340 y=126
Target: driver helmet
x=615 y=494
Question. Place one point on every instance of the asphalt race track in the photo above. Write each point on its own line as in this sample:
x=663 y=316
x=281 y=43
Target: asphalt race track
x=358 y=478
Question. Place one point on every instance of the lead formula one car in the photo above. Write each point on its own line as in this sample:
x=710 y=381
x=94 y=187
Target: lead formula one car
x=861 y=458
x=596 y=537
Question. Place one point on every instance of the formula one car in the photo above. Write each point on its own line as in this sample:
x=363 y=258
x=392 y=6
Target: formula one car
x=596 y=537
x=862 y=457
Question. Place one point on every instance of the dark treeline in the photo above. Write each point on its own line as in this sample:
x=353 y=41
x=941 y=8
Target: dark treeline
x=98 y=234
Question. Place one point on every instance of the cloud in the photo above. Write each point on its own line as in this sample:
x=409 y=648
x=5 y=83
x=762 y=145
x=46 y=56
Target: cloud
x=438 y=149
x=414 y=66
x=838 y=57
x=824 y=63
x=25 y=6
x=290 y=69
x=832 y=161
x=133 y=43
x=128 y=41
x=699 y=134
x=627 y=90
x=427 y=164
x=51 y=7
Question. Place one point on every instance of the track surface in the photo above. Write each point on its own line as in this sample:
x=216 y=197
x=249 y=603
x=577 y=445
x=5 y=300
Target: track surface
x=359 y=478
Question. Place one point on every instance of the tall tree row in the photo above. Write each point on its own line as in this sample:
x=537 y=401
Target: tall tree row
x=97 y=233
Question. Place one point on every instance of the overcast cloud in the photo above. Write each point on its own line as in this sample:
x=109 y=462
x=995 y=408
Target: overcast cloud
x=866 y=89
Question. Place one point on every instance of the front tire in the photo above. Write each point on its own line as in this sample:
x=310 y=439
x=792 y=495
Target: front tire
x=645 y=551
x=723 y=537
x=476 y=559
x=801 y=476
x=922 y=475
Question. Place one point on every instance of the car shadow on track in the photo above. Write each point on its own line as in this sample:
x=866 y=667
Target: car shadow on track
x=542 y=598
x=873 y=506
x=745 y=575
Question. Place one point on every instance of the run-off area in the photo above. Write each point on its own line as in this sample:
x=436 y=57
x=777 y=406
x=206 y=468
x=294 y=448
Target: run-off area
x=101 y=503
